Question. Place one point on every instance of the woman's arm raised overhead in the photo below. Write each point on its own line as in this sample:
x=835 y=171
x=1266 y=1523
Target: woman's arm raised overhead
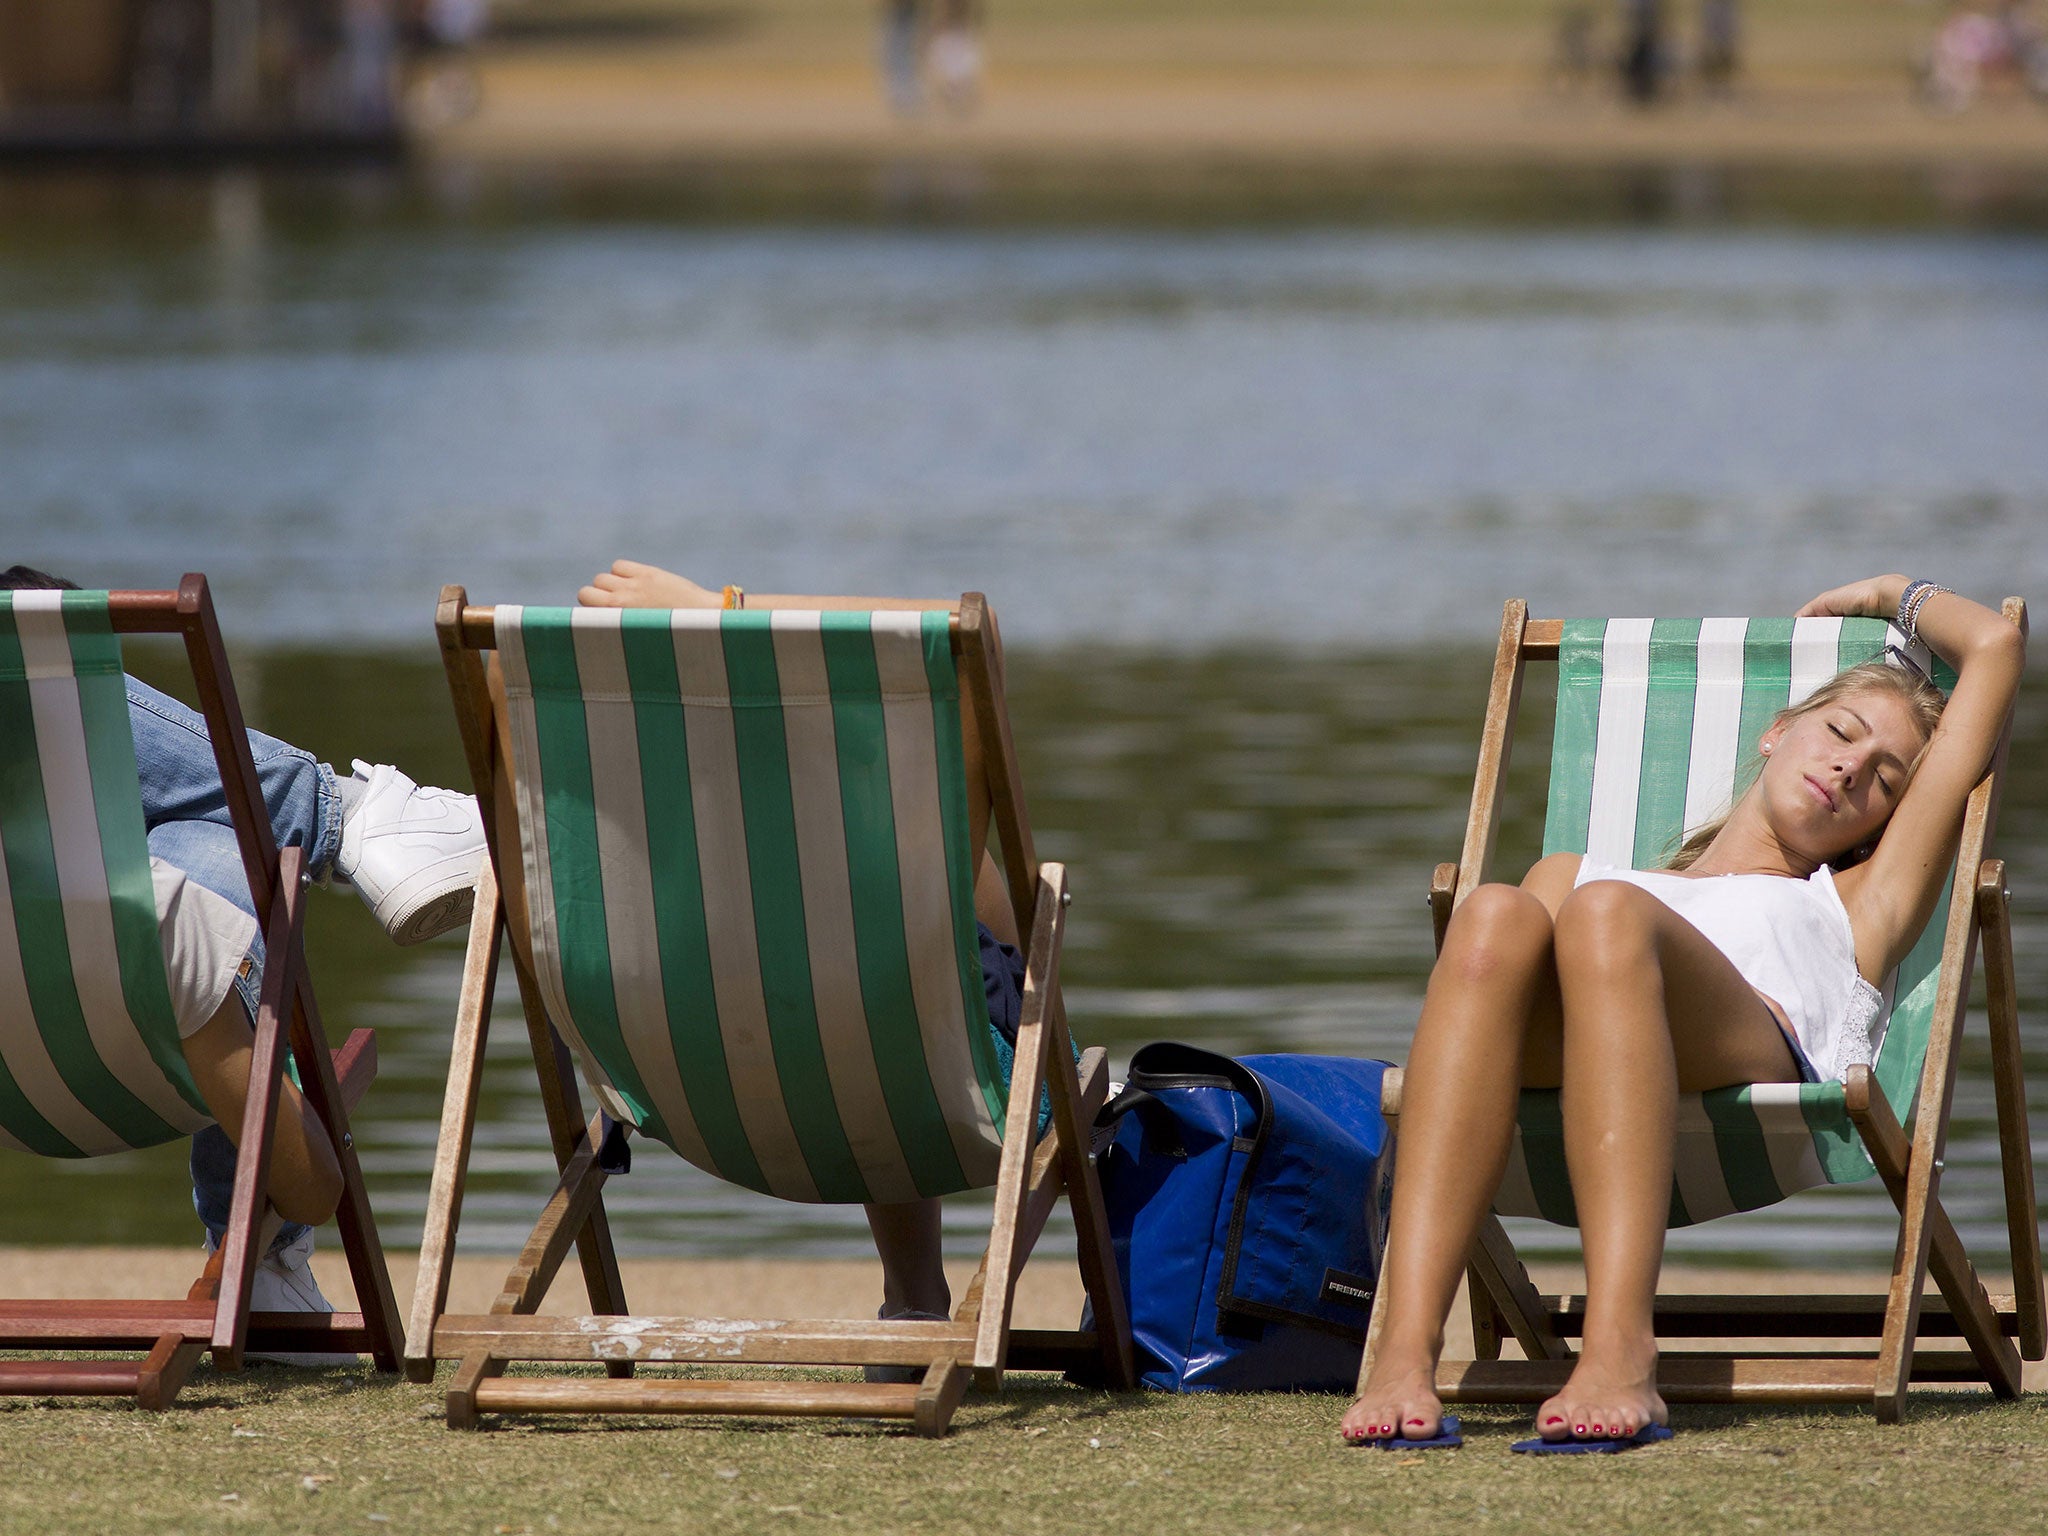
x=1891 y=896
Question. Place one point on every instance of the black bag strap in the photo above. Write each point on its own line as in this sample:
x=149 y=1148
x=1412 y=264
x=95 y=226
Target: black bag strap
x=1162 y=1126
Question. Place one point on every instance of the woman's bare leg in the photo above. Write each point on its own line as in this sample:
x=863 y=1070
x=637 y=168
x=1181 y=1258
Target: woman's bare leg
x=1651 y=1009
x=1490 y=1016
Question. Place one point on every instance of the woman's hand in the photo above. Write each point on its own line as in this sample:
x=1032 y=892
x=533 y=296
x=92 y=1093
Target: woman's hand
x=1874 y=597
x=629 y=584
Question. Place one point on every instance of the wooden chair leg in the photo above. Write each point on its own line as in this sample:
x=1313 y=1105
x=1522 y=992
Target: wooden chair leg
x=1028 y=1076
x=564 y=1108
x=2008 y=1079
x=166 y=1369
x=477 y=1366
x=458 y=1125
x=1488 y=1326
x=938 y=1398
x=1500 y=1273
x=1939 y=1251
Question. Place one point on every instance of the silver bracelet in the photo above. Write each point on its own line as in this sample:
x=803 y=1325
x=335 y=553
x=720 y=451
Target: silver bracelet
x=1911 y=601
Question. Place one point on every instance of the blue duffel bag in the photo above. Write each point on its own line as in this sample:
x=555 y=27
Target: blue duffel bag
x=1248 y=1203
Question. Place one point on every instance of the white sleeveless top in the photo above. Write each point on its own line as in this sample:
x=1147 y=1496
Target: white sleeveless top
x=1790 y=939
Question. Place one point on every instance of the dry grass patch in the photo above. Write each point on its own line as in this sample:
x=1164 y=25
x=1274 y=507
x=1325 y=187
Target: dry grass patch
x=346 y=1451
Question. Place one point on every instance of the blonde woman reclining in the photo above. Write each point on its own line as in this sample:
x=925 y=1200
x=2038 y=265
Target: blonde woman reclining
x=1754 y=958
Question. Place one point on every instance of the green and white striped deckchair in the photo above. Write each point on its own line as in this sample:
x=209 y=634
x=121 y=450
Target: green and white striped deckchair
x=1656 y=729
x=746 y=872
x=90 y=1061
x=90 y=1057
x=1657 y=724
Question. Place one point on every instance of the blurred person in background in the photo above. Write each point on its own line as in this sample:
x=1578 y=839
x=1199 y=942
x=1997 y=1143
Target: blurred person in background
x=369 y=64
x=1720 y=38
x=902 y=56
x=1641 y=59
x=1976 y=49
x=1574 y=49
x=444 y=35
x=956 y=57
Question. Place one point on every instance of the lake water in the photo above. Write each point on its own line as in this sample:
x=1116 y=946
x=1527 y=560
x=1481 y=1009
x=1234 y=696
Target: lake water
x=1248 y=499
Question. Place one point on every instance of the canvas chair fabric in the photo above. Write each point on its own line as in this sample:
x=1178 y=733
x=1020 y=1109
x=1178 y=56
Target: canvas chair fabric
x=1657 y=724
x=90 y=1059
x=744 y=839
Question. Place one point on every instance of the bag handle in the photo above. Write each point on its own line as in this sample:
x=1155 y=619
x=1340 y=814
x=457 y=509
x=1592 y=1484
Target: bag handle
x=1162 y=1126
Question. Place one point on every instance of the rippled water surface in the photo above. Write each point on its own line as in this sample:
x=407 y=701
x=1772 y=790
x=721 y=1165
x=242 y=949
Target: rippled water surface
x=1248 y=501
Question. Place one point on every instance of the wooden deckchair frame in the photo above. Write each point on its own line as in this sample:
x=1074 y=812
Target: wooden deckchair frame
x=1506 y=1304
x=214 y=1314
x=978 y=1343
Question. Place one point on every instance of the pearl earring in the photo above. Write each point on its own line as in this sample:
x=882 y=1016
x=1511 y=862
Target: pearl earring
x=1767 y=749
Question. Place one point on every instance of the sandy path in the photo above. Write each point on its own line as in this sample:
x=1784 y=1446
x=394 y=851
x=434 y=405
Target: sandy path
x=1299 y=89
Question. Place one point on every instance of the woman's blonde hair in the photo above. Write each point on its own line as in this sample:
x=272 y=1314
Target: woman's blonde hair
x=1922 y=699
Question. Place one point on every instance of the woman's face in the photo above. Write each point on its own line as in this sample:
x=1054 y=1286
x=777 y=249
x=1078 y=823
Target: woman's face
x=1833 y=776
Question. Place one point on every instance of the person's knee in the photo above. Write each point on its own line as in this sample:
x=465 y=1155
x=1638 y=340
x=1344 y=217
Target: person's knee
x=313 y=1196
x=1606 y=929
x=1498 y=931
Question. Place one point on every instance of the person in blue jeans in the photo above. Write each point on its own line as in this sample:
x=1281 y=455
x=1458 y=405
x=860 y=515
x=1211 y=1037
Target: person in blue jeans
x=411 y=853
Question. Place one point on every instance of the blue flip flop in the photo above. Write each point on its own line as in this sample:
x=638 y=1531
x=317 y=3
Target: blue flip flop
x=1445 y=1438
x=1649 y=1434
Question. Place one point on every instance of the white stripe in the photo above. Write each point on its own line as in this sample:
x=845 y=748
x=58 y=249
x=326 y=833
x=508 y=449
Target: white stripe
x=928 y=930
x=26 y=1053
x=729 y=907
x=1816 y=654
x=1696 y=1162
x=1717 y=747
x=828 y=905
x=82 y=873
x=1618 y=746
x=620 y=811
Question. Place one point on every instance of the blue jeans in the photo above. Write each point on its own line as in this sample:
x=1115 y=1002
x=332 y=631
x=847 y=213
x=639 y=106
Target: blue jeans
x=185 y=809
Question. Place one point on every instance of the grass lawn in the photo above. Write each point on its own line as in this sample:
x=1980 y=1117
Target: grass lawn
x=343 y=1451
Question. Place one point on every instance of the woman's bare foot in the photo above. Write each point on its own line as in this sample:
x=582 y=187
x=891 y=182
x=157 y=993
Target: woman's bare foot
x=1610 y=1396
x=1396 y=1401
x=629 y=584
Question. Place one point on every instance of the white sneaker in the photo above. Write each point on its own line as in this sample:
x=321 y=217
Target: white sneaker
x=284 y=1282
x=412 y=854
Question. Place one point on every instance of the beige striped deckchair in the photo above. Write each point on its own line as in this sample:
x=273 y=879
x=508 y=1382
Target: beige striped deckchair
x=736 y=862
x=1656 y=727
x=90 y=1060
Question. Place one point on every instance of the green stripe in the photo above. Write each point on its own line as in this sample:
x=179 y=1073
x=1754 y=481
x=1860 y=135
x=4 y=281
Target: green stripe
x=678 y=880
x=1835 y=1140
x=943 y=678
x=1744 y=1153
x=569 y=806
x=1541 y=1112
x=124 y=841
x=860 y=733
x=39 y=917
x=1568 y=821
x=1912 y=1018
x=1667 y=740
x=776 y=875
x=1861 y=640
x=1766 y=689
